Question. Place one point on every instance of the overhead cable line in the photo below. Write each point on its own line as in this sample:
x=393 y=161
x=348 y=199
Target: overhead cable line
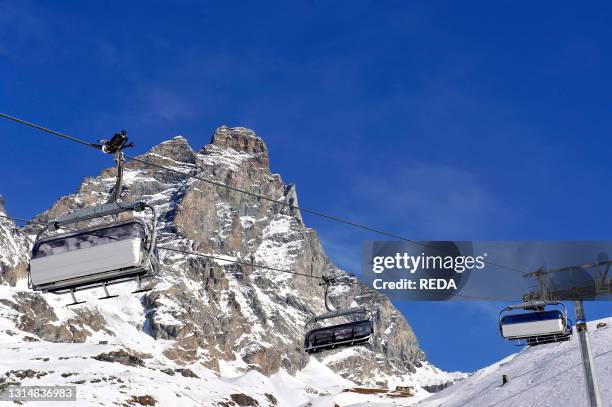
x=245 y=263
x=220 y=184
x=55 y=133
x=242 y=263
x=21 y=219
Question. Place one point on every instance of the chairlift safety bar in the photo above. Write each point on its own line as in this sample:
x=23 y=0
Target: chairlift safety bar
x=338 y=313
x=531 y=304
x=98 y=211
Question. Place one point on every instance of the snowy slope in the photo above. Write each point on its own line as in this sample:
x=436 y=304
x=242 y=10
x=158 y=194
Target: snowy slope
x=144 y=375
x=149 y=376
x=542 y=376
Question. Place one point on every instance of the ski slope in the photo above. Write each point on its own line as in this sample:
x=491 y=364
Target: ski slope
x=543 y=376
x=139 y=372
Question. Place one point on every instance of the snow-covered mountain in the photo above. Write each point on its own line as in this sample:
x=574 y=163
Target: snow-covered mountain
x=211 y=332
x=542 y=376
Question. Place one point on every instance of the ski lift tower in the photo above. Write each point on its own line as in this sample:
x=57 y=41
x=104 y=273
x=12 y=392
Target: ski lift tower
x=601 y=285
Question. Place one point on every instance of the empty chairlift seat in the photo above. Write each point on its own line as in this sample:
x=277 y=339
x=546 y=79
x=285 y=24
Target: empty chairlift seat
x=536 y=327
x=67 y=257
x=533 y=324
x=351 y=333
x=100 y=255
x=337 y=336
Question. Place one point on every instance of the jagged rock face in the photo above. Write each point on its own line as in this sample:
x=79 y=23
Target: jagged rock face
x=214 y=312
x=31 y=313
x=13 y=250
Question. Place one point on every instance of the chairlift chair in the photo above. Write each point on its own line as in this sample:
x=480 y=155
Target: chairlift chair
x=340 y=335
x=96 y=256
x=538 y=325
x=346 y=334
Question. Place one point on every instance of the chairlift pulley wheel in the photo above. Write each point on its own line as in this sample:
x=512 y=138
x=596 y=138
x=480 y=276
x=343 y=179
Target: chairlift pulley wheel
x=116 y=144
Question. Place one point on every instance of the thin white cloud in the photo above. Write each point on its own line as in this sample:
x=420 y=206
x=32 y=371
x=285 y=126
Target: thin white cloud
x=24 y=30
x=432 y=202
x=161 y=104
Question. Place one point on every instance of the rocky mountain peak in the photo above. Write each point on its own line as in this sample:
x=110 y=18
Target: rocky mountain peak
x=177 y=148
x=242 y=140
x=205 y=311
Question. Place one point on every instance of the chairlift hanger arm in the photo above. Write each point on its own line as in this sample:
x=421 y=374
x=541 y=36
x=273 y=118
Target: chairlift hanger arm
x=115 y=147
x=328 y=281
x=120 y=160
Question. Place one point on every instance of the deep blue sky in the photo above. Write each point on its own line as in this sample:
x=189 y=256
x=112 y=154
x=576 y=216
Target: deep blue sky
x=487 y=120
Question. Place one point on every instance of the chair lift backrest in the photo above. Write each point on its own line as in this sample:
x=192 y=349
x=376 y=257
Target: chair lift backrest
x=44 y=246
x=533 y=323
x=91 y=237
